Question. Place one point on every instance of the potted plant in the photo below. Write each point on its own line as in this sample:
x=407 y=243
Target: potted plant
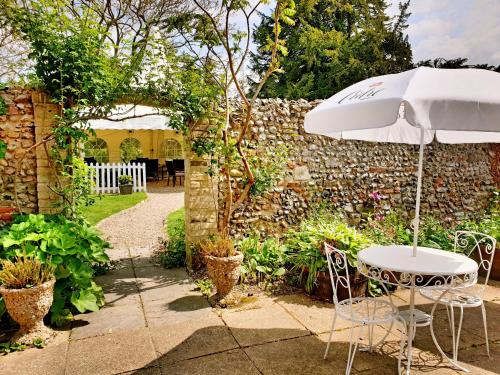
x=223 y=263
x=27 y=287
x=125 y=182
x=305 y=249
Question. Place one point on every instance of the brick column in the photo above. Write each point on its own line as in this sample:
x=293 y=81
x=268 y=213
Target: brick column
x=200 y=201
x=44 y=112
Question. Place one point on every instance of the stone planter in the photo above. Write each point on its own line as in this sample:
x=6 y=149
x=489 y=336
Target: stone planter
x=224 y=272
x=323 y=287
x=126 y=189
x=27 y=307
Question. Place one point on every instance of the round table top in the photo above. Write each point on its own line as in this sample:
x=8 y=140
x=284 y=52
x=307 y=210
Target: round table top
x=428 y=261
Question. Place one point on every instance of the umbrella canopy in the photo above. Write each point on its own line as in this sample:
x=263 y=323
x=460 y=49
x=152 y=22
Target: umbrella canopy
x=414 y=107
x=444 y=103
x=149 y=119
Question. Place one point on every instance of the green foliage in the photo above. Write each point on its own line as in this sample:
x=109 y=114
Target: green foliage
x=125 y=179
x=72 y=249
x=39 y=343
x=333 y=44
x=263 y=261
x=3 y=107
x=77 y=192
x=3 y=148
x=174 y=254
x=392 y=229
x=3 y=309
x=7 y=347
x=24 y=272
x=206 y=286
x=268 y=167
x=304 y=245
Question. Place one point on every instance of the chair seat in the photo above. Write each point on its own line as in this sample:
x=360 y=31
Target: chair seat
x=464 y=297
x=367 y=310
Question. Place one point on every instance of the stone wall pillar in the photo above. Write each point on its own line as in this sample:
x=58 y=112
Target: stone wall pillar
x=17 y=130
x=200 y=202
x=44 y=113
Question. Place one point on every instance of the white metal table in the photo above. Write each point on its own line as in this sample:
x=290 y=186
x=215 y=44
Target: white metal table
x=396 y=265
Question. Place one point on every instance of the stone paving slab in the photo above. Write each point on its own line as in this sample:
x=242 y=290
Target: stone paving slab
x=264 y=324
x=111 y=354
x=316 y=317
x=108 y=320
x=228 y=363
x=299 y=355
x=50 y=360
x=185 y=341
x=184 y=309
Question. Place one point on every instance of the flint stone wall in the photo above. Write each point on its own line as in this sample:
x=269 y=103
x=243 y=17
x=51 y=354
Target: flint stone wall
x=457 y=183
x=29 y=117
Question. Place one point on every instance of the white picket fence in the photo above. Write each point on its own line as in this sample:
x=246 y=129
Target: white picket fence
x=106 y=176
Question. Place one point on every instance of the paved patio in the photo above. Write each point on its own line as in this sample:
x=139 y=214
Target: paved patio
x=156 y=323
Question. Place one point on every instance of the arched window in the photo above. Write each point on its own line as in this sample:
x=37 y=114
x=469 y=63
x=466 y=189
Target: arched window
x=130 y=149
x=97 y=148
x=172 y=149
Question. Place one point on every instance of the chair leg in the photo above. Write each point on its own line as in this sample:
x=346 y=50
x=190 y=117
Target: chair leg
x=352 y=350
x=331 y=333
x=404 y=333
x=483 y=311
x=457 y=343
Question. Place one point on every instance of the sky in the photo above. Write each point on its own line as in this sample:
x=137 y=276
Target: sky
x=455 y=28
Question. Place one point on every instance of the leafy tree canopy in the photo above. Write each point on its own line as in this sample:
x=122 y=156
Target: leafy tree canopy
x=333 y=44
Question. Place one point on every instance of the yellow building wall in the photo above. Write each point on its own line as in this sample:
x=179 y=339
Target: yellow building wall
x=151 y=141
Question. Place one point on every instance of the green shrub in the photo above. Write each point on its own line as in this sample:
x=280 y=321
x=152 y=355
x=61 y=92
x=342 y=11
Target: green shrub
x=305 y=245
x=262 y=261
x=24 y=272
x=72 y=249
x=174 y=254
x=125 y=179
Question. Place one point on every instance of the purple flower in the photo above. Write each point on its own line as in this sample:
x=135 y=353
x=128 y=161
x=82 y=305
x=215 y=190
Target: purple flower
x=379 y=217
x=376 y=196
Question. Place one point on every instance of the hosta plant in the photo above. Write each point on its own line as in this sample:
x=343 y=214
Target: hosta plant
x=73 y=249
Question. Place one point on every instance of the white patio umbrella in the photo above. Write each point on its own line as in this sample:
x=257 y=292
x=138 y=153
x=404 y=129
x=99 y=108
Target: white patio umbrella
x=414 y=107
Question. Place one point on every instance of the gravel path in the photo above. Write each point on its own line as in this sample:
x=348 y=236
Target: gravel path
x=141 y=226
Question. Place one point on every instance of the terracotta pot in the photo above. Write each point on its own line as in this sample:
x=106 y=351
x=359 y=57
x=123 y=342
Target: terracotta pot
x=224 y=271
x=323 y=287
x=126 y=189
x=6 y=213
x=27 y=307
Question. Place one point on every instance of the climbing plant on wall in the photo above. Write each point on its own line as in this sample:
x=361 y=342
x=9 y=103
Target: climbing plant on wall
x=212 y=37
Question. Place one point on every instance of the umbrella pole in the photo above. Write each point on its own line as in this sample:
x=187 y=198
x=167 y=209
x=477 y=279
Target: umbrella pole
x=416 y=221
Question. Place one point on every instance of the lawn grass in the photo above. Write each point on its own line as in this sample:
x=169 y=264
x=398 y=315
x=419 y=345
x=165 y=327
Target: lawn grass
x=175 y=222
x=107 y=205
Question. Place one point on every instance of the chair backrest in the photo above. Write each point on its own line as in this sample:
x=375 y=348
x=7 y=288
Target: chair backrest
x=179 y=165
x=339 y=271
x=468 y=242
x=170 y=167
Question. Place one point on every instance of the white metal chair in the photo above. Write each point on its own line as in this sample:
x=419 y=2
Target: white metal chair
x=468 y=243
x=363 y=311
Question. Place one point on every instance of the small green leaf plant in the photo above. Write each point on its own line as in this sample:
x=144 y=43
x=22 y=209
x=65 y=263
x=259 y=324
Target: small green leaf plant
x=263 y=261
x=125 y=179
x=73 y=249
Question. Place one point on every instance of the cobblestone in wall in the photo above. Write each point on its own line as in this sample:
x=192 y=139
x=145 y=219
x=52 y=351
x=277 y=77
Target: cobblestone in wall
x=17 y=129
x=29 y=118
x=458 y=179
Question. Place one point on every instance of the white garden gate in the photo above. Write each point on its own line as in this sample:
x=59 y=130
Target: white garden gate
x=105 y=176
